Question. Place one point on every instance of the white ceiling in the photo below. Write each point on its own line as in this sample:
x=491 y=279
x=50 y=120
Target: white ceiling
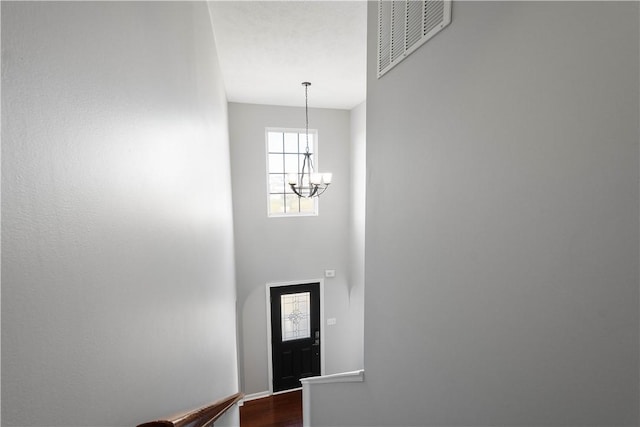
x=268 y=48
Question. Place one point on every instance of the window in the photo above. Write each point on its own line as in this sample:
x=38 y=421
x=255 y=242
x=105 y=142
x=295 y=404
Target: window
x=285 y=152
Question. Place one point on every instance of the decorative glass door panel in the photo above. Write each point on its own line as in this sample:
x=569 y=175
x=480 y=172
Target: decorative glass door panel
x=295 y=316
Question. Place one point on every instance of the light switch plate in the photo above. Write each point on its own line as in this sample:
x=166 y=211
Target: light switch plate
x=329 y=273
x=331 y=321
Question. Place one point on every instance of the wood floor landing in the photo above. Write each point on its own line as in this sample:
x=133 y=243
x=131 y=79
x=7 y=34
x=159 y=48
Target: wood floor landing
x=282 y=410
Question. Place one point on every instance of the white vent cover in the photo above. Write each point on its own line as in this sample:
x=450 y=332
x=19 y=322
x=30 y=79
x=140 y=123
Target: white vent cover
x=404 y=25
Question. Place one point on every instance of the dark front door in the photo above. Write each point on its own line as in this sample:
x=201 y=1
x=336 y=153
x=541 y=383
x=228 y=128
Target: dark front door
x=295 y=334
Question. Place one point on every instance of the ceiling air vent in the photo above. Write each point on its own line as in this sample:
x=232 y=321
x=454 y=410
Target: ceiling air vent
x=403 y=26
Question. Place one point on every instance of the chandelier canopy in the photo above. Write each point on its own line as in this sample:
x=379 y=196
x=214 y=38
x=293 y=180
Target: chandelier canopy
x=308 y=183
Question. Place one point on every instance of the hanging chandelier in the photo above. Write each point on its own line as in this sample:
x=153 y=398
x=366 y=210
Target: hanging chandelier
x=308 y=183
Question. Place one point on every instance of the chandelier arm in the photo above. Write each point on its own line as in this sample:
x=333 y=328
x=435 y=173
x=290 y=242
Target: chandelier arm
x=293 y=188
x=305 y=166
x=311 y=169
x=323 y=189
x=312 y=190
x=306 y=163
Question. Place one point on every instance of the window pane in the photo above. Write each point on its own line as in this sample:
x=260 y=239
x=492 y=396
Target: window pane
x=295 y=309
x=293 y=204
x=291 y=163
x=276 y=183
x=276 y=202
x=275 y=142
x=276 y=163
x=307 y=205
x=291 y=142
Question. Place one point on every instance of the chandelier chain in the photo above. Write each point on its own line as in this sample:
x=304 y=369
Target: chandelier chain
x=306 y=110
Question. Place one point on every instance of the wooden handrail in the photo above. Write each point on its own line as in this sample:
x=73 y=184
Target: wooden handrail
x=201 y=417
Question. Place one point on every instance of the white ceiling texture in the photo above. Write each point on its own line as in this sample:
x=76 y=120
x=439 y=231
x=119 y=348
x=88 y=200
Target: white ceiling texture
x=268 y=48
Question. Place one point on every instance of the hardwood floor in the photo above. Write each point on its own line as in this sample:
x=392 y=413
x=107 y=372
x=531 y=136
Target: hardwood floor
x=282 y=410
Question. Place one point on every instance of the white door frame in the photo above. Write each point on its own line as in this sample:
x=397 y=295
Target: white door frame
x=269 y=344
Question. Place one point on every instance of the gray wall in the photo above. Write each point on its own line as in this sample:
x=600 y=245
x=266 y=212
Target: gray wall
x=118 y=298
x=502 y=224
x=289 y=249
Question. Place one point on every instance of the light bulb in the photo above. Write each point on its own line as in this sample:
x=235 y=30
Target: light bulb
x=326 y=177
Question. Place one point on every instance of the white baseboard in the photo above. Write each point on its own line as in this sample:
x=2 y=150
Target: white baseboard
x=286 y=391
x=254 y=396
x=260 y=395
